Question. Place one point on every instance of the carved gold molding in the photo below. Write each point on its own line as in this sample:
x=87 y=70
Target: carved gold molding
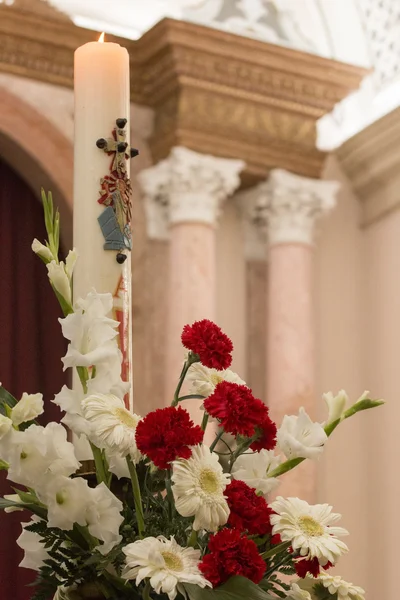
x=212 y=91
x=371 y=160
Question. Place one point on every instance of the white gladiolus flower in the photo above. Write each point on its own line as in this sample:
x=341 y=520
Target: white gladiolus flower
x=91 y=333
x=70 y=262
x=113 y=426
x=42 y=250
x=103 y=517
x=13 y=498
x=38 y=452
x=117 y=464
x=336 y=405
x=32 y=544
x=70 y=401
x=5 y=425
x=309 y=529
x=27 y=409
x=299 y=437
x=67 y=500
x=253 y=469
x=199 y=485
x=204 y=380
x=108 y=377
x=60 y=280
x=296 y=593
x=344 y=590
x=165 y=563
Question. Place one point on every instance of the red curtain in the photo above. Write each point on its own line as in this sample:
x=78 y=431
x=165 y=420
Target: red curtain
x=31 y=343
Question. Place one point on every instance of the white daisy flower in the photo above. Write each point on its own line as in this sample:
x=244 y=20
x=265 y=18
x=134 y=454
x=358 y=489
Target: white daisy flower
x=165 y=563
x=199 y=485
x=296 y=593
x=299 y=437
x=204 y=380
x=253 y=469
x=344 y=590
x=113 y=425
x=309 y=529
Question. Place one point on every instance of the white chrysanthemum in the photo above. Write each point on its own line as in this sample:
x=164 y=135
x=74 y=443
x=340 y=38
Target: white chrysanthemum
x=309 y=528
x=38 y=452
x=204 y=380
x=299 y=437
x=113 y=424
x=296 y=593
x=103 y=517
x=253 y=469
x=344 y=590
x=27 y=409
x=165 y=563
x=32 y=544
x=336 y=405
x=199 y=485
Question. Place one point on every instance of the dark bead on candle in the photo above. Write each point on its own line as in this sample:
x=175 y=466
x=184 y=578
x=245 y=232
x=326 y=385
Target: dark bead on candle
x=121 y=258
x=121 y=123
x=134 y=152
x=122 y=146
x=101 y=143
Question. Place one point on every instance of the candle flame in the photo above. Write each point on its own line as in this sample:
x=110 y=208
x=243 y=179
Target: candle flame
x=101 y=38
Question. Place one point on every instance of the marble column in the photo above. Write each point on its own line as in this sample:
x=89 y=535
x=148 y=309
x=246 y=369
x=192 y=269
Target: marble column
x=184 y=195
x=287 y=208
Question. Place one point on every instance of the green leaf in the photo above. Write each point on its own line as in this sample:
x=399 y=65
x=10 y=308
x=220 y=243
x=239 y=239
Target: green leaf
x=237 y=588
x=37 y=510
x=6 y=399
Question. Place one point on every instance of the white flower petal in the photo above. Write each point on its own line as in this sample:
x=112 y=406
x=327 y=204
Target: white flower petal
x=199 y=485
x=299 y=437
x=27 y=409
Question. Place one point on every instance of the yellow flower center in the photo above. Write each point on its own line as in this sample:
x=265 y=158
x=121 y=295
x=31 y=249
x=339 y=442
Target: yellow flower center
x=310 y=526
x=125 y=417
x=172 y=561
x=209 y=481
x=216 y=379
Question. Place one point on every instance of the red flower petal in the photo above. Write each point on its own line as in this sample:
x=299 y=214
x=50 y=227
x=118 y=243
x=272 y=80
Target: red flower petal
x=212 y=345
x=167 y=434
x=232 y=553
x=249 y=512
x=235 y=407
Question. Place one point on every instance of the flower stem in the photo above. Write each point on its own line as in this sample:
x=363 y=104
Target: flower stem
x=146 y=591
x=204 y=421
x=101 y=472
x=136 y=496
x=217 y=438
x=170 y=495
x=192 y=358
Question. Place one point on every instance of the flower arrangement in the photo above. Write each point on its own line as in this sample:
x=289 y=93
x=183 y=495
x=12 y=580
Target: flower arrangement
x=165 y=515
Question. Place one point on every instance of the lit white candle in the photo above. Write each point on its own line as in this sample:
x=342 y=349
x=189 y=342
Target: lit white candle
x=101 y=97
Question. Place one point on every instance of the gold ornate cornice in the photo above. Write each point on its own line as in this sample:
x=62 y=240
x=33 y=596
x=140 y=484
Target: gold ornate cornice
x=371 y=160
x=212 y=91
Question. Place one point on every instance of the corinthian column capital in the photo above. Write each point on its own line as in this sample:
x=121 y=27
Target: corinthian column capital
x=288 y=206
x=187 y=187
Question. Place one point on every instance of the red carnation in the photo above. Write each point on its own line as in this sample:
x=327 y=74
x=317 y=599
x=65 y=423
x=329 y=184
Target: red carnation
x=235 y=407
x=232 y=553
x=249 y=512
x=267 y=432
x=166 y=434
x=211 y=344
x=312 y=566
